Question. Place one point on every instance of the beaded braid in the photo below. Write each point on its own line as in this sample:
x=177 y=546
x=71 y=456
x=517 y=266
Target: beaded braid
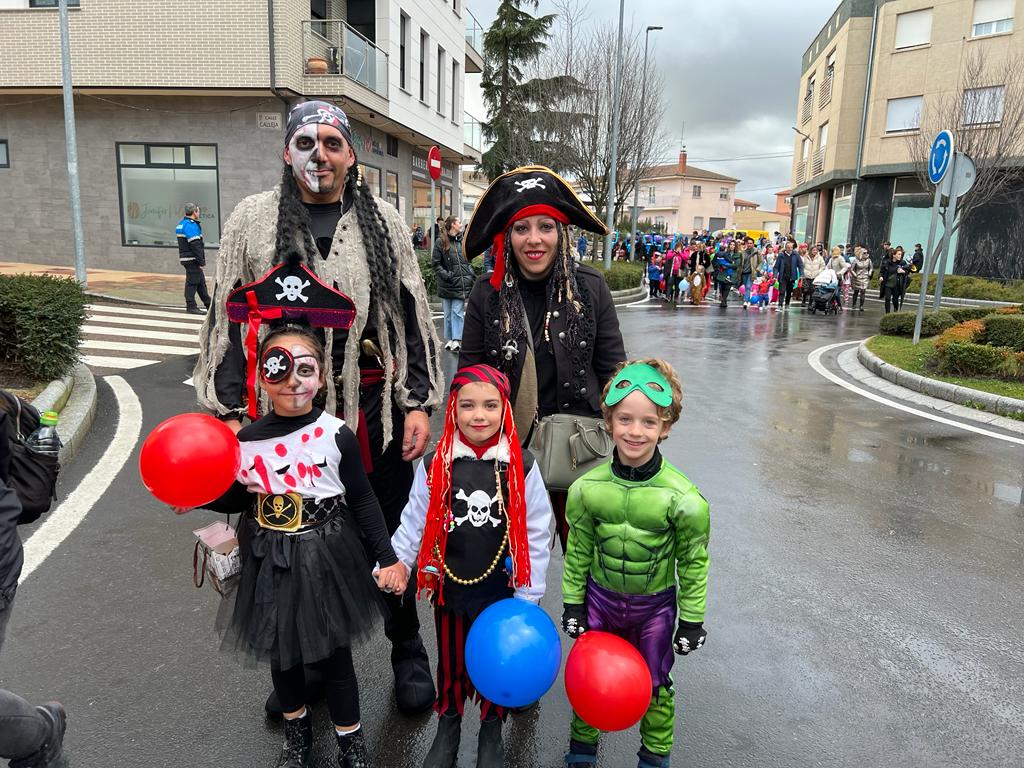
x=294 y=225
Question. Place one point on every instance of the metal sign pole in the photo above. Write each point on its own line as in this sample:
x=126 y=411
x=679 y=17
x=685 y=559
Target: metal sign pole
x=433 y=215
x=954 y=191
x=72 y=146
x=929 y=264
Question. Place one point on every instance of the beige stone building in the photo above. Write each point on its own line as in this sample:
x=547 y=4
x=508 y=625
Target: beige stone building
x=868 y=80
x=187 y=101
x=682 y=197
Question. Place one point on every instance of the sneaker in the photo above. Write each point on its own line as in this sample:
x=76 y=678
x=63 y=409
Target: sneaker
x=195 y=311
x=448 y=345
x=456 y=346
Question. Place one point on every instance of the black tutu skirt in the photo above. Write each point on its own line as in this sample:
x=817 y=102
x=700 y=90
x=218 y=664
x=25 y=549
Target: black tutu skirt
x=299 y=597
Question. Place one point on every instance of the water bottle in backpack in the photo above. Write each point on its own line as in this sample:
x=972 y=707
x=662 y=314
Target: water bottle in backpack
x=45 y=439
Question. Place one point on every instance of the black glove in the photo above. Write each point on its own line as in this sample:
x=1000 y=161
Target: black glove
x=574 y=620
x=689 y=636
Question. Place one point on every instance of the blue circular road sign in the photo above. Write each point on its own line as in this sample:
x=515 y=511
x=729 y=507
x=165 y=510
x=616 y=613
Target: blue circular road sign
x=940 y=157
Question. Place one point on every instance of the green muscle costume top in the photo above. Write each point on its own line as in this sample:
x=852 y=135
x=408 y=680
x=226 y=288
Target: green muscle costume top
x=638 y=537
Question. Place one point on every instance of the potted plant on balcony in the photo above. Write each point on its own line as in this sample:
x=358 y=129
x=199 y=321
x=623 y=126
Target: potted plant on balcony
x=316 y=65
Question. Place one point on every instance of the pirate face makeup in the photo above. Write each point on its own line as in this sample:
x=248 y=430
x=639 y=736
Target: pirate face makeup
x=291 y=375
x=534 y=242
x=478 y=411
x=320 y=159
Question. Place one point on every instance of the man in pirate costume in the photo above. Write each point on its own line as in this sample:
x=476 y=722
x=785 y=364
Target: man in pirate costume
x=383 y=374
x=475 y=531
x=543 y=319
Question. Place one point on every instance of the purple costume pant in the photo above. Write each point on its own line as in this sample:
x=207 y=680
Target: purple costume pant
x=648 y=622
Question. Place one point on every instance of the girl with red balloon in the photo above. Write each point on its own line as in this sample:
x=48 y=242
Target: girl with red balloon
x=476 y=528
x=306 y=594
x=636 y=570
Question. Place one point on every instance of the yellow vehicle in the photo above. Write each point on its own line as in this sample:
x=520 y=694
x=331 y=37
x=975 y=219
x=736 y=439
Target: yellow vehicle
x=734 y=233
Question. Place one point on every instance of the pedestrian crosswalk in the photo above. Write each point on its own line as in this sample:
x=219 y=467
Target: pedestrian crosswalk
x=120 y=337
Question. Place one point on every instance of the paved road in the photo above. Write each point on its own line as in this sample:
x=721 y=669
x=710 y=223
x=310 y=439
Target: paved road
x=864 y=604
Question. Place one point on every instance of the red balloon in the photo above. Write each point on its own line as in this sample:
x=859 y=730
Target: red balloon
x=607 y=681
x=189 y=460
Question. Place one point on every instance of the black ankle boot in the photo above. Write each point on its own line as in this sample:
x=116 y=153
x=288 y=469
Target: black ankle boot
x=352 y=750
x=51 y=754
x=414 y=687
x=490 y=751
x=445 y=749
x=298 y=741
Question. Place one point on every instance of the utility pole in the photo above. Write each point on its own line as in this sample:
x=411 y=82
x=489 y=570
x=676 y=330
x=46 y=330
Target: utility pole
x=639 y=148
x=616 y=106
x=72 y=146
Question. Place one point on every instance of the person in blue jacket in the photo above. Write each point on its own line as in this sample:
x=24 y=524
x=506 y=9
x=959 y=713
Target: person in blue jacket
x=192 y=256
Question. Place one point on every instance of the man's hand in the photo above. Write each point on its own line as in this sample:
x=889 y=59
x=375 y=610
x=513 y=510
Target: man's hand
x=416 y=436
x=689 y=637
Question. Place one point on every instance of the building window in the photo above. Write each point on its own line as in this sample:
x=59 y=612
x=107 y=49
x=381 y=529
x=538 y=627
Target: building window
x=5 y=157
x=440 y=80
x=696 y=190
x=983 y=106
x=914 y=29
x=455 y=91
x=371 y=177
x=403 y=53
x=318 y=12
x=652 y=195
x=698 y=223
x=54 y=4
x=904 y=114
x=424 y=64
x=992 y=17
x=723 y=193
x=391 y=193
x=392 y=146
x=156 y=180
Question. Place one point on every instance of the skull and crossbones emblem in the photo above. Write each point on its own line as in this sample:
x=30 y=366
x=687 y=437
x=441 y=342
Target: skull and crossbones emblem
x=478 y=509
x=292 y=288
x=272 y=366
x=525 y=184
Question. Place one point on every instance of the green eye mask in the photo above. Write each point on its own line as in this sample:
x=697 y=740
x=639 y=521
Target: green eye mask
x=640 y=377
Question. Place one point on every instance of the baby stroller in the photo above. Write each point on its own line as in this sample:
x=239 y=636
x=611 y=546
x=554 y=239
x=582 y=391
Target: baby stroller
x=826 y=293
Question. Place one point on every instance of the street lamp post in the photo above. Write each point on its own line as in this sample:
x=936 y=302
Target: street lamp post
x=639 y=146
x=616 y=105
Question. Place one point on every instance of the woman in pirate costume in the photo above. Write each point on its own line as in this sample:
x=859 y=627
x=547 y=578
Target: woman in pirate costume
x=305 y=595
x=383 y=374
x=545 y=321
x=475 y=531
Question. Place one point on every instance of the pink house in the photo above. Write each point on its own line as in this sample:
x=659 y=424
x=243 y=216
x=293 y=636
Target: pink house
x=683 y=197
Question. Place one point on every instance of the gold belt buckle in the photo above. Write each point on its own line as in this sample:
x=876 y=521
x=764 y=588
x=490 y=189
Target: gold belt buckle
x=279 y=511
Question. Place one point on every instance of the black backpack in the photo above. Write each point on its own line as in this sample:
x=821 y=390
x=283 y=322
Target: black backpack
x=32 y=475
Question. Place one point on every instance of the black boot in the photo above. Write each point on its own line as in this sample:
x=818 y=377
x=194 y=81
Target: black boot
x=352 y=750
x=414 y=687
x=490 y=751
x=51 y=754
x=649 y=759
x=445 y=750
x=298 y=741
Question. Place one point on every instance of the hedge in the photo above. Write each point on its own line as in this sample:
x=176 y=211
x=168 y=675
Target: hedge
x=964 y=287
x=41 y=319
x=1005 y=331
x=902 y=323
x=622 y=275
x=969 y=332
x=969 y=359
x=963 y=314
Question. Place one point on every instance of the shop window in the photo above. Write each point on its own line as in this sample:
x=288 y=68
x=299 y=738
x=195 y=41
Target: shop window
x=154 y=183
x=839 y=226
x=391 y=194
x=446 y=202
x=992 y=17
x=911 y=216
x=5 y=156
x=371 y=177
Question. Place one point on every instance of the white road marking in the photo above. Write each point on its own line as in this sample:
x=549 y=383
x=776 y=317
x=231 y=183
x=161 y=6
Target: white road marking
x=814 y=359
x=124 y=346
x=188 y=382
x=101 y=361
x=144 y=322
x=140 y=333
x=63 y=520
x=110 y=309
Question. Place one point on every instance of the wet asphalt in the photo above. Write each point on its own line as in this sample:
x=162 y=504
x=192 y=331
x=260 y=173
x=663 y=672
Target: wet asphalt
x=864 y=603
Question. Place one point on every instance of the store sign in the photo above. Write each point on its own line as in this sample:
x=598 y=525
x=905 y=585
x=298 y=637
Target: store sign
x=269 y=120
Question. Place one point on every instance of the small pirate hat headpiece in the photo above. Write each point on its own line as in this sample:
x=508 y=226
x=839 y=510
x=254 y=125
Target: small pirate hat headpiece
x=532 y=190
x=439 y=479
x=287 y=291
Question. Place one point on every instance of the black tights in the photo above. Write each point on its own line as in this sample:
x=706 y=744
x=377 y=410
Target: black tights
x=339 y=680
x=858 y=293
x=893 y=299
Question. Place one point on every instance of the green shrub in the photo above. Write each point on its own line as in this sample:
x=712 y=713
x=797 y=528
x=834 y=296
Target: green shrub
x=902 y=323
x=478 y=264
x=969 y=359
x=934 y=323
x=1005 y=331
x=41 y=320
x=963 y=314
x=964 y=287
x=622 y=275
x=429 y=278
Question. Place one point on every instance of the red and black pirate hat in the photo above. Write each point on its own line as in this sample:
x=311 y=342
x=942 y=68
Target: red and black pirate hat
x=288 y=291
x=532 y=190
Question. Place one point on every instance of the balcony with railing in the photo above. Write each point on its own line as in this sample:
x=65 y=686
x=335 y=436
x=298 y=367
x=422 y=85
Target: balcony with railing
x=474 y=44
x=472 y=132
x=825 y=90
x=662 y=203
x=331 y=48
x=818 y=162
x=805 y=111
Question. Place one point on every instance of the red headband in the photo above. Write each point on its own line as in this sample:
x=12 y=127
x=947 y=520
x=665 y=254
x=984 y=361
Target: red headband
x=498 y=250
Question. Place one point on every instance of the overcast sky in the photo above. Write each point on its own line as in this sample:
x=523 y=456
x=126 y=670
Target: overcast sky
x=733 y=69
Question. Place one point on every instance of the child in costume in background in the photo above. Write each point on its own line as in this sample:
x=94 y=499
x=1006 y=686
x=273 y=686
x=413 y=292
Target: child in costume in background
x=305 y=594
x=654 y=274
x=637 y=558
x=477 y=529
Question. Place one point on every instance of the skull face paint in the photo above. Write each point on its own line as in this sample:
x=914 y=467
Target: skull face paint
x=320 y=159
x=295 y=379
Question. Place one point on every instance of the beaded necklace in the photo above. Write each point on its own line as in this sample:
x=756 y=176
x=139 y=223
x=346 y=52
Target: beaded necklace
x=501 y=547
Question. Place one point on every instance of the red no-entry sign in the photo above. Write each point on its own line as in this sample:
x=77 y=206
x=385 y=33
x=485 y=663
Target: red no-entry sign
x=434 y=163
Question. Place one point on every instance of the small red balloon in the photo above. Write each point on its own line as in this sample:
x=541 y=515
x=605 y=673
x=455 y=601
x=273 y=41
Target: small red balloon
x=607 y=681
x=189 y=460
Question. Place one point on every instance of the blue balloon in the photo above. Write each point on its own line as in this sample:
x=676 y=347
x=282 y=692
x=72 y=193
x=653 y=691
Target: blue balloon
x=513 y=653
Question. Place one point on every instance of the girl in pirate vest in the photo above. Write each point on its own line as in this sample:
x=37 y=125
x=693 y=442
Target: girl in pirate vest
x=305 y=594
x=476 y=530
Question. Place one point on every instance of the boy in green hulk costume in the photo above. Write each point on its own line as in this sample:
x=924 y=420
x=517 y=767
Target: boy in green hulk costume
x=636 y=563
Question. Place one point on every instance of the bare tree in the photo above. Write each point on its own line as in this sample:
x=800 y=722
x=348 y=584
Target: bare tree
x=986 y=115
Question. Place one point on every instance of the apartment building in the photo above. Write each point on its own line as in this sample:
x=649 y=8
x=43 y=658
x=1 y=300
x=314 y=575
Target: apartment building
x=187 y=101
x=868 y=81
x=682 y=197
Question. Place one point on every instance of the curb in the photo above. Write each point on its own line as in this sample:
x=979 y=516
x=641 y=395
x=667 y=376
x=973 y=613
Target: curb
x=74 y=397
x=942 y=390
x=956 y=301
x=123 y=300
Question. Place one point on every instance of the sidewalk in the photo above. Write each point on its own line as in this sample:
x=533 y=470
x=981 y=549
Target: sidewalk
x=140 y=287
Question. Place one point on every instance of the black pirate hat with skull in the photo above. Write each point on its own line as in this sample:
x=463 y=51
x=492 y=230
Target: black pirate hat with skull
x=288 y=292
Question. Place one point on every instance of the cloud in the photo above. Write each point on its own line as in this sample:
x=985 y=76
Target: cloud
x=734 y=72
